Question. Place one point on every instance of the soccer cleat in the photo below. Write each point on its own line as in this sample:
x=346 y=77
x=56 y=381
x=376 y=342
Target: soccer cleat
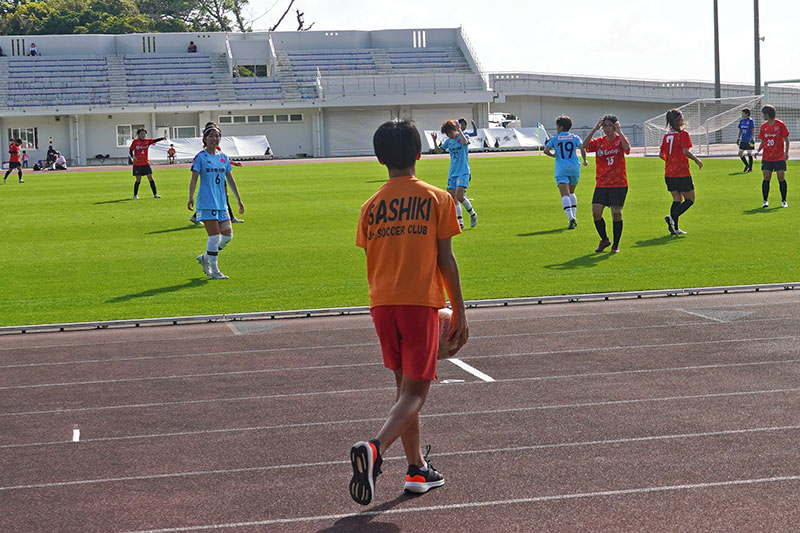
x=204 y=262
x=473 y=219
x=784 y=204
x=235 y=220
x=605 y=243
x=218 y=275
x=615 y=249
x=194 y=220
x=366 y=461
x=670 y=224
x=679 y=231
x=21 y=180
x=420 y=482
x=156 y=196
x=135 y=196
x=765 y=204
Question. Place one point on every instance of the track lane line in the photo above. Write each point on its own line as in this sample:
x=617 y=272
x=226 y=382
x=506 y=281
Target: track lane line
x=471 y=369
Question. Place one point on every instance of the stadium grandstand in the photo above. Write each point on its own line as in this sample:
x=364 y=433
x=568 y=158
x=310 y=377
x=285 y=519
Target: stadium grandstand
x=313 y=94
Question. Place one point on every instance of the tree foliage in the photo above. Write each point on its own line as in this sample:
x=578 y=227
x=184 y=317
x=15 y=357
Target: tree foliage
x=58 y=17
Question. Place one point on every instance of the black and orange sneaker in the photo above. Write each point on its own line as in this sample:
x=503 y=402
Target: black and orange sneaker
x=420 y=482
x=366 y=460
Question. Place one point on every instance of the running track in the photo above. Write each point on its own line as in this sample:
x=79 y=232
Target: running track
x=660 y=414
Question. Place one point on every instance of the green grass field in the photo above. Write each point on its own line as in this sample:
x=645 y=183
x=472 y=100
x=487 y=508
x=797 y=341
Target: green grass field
x=78 y=249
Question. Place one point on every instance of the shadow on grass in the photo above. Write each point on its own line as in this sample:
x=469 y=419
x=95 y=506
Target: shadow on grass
x=584 y=261
x=760 y=210
x=657 y=241
x=543 y=232
x=114 y=201
x=181 y=228
x=364 y=521
x=195 y=282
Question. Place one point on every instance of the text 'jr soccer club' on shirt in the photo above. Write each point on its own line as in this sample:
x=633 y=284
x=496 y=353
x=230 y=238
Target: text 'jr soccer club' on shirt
x=773 y=136
x=610 y=161
x=566 y=145
x=141 y=150
x=747 y=126
x=459 y=156
x=399 y=227
x=212 y=170
x=677 y=163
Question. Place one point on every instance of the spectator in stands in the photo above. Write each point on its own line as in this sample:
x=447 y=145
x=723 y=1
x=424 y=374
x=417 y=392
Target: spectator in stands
x=59 y=164
x=24 y=159
x=2 y=54
x=34 y=51
x=171 y=154
x=13 y=159
x=192 y=48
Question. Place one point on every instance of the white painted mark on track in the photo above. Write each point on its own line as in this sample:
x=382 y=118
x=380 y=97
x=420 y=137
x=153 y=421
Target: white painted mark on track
x=471 y=369
x=490 y=503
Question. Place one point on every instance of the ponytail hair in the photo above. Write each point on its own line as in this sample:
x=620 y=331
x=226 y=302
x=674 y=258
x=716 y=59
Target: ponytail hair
x=675 y=120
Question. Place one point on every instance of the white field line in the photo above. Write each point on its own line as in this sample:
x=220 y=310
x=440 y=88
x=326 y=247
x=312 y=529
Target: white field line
x=376 y=389
x=425 y=416
x=511 y=449
x=270 y=370
x=471 y=369
x=491 y=503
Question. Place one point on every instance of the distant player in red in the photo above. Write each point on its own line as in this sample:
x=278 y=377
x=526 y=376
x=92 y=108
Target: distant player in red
x=139 y=150
x=611 y=186
x=775 y=142
x=675 y=151
x=13 y=159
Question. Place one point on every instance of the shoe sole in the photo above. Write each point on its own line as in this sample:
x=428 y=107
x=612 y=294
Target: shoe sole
x=421 y=488
x=362 y=486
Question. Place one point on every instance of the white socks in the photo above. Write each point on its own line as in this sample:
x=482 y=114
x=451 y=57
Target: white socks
x=212 y=251
x=224 y=240
x=458 y=214
x=467 y=205
x=570 y=204
x=574 y=205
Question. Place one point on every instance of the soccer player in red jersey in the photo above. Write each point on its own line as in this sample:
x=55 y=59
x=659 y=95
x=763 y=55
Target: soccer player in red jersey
x=140 y=147
x=611 y=185
x=775 y=142
x=675 y=151
x=13 y=159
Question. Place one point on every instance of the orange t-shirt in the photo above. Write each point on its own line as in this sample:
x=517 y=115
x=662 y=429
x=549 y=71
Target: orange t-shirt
x=400 y=227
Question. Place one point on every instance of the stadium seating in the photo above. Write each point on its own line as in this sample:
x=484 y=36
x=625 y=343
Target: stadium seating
x=62 y=81
x=151 y=79
x=373 y=61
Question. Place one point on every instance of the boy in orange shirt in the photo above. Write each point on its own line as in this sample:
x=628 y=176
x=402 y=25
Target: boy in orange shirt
x=405 y=230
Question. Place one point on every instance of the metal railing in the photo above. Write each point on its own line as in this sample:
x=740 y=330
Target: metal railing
x=399 y=84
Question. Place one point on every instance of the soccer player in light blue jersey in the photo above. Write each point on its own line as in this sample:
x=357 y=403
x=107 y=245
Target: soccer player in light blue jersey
x=457 y=145
x=746 y=141
x=213 y=168
x=564 y=148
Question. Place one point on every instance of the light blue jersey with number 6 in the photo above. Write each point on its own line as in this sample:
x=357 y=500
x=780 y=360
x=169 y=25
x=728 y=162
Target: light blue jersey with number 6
x=566 y=146
x=212 y=169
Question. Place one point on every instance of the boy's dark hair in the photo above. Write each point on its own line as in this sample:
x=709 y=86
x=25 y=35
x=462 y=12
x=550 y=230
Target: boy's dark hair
x=397 y=143
x=462 y=120
x=449 y=125
x=140 y=130
x=746 y=111
x=769 y=110
x=675 y=119
x=612 y=118
x=564 y=121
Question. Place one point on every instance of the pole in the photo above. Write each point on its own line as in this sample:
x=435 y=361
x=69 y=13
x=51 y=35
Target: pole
x=757 y=42
x=717 y=86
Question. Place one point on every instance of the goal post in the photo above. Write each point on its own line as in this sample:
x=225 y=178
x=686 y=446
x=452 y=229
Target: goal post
x=711 y=122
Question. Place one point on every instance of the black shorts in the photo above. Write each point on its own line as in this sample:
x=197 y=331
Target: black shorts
x=142 y=170
x=679 y=184
x=773 y=165
x=751 y=145
x=610 y=196
x=14 y=164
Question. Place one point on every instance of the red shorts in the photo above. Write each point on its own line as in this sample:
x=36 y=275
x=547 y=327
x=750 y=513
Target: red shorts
x=409 y=336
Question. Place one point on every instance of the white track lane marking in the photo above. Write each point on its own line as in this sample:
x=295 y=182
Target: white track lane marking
x=471 y=369
x=492 y=503
x=269 y=370
x=513 y=449
x=702 y=316
x=428 y=415
x=373 y=344
x=376 y=389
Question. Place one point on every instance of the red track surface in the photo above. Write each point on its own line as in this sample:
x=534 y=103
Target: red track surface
x=670 y=414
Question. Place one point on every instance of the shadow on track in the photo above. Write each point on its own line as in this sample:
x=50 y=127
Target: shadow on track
x=584 y=261
x=195 y=282
x=364 y=521
x=543 y=232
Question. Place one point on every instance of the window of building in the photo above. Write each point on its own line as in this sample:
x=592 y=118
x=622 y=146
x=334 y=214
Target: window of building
x=239 y=119
x=253 y=119
x=29 y=136
x=184 y=132
x=282 y=118
x=126 y=133
x=267 y=118
x=296 y=117
x=225 y=119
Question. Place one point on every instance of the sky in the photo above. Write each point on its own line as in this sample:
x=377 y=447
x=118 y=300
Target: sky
x=646 y=39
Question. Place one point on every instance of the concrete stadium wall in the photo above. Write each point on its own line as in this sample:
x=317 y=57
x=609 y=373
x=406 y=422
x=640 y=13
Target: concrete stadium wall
x=47 y=127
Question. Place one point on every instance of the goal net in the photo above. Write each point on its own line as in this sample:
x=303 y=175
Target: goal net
x=785 y=96
x=711 y=122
